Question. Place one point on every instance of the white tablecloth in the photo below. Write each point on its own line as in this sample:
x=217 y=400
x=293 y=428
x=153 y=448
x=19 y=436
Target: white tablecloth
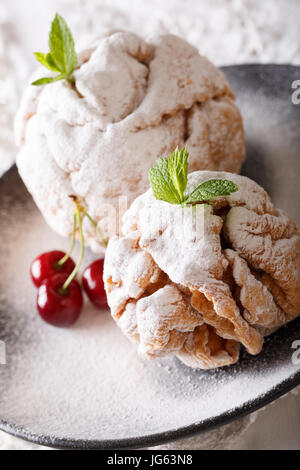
x=228 y=31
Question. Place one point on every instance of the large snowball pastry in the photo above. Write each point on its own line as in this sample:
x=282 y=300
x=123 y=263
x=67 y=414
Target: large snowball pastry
x=200 y=281
x=133 y=101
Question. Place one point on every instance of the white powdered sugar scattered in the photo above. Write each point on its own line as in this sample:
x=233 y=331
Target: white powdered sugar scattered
x=88 y=382
x=9 y=89
x=227 y=32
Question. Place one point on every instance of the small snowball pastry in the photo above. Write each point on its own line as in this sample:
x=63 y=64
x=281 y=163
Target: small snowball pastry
x=200 y=281
x=135 y=100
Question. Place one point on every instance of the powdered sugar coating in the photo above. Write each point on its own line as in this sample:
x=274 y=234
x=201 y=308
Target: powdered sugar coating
x=236 y=261
x=134 y=101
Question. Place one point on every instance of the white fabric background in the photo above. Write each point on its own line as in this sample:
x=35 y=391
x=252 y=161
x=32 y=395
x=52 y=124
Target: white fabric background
x=228 y=32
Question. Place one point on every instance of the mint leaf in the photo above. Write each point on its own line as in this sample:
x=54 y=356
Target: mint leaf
x=46 y=60
x=168 y=179
x=62 y=57
x=62 y=46
x=210 y=190
x=178 y=168
x=161 y=182
x=47 y=80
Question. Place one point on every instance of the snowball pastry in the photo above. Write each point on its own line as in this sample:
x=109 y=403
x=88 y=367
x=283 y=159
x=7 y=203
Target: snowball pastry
x=199 y=281
x=133 y=102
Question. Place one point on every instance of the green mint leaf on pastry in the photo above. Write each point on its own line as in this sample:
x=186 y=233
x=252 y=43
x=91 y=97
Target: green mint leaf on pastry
x=210 y=190
x=161 y=182
x=62 y=57
x=46 y=60
x=169 y=176
x=47 y=80
x=62 y=46
x=178 y=169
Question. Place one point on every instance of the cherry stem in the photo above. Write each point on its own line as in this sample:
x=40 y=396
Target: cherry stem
x=93 y=222
x=79 y=211
x=99 y=232
x=72 y=276
x=67 y=256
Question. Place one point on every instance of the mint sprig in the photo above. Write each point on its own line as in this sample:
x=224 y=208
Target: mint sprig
x=168 y=179
x=62 y=57
x=161 y=182
x=178 y=169
x=210 y=190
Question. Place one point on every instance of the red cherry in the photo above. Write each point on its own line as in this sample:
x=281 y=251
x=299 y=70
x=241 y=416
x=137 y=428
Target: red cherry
x=92 y=280
x=57 y=308
x=46 y=266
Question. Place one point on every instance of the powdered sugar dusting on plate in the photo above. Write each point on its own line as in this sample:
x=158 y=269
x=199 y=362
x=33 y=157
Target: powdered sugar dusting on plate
x=87 y=382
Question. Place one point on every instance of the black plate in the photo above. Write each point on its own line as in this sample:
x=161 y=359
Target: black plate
x=57 y=388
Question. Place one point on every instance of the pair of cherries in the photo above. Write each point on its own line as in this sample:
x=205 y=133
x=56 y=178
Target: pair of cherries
x=60 y=298
x=61 y=306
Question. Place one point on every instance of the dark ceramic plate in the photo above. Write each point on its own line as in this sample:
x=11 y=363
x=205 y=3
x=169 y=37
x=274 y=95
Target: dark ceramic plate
x=86 y=387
